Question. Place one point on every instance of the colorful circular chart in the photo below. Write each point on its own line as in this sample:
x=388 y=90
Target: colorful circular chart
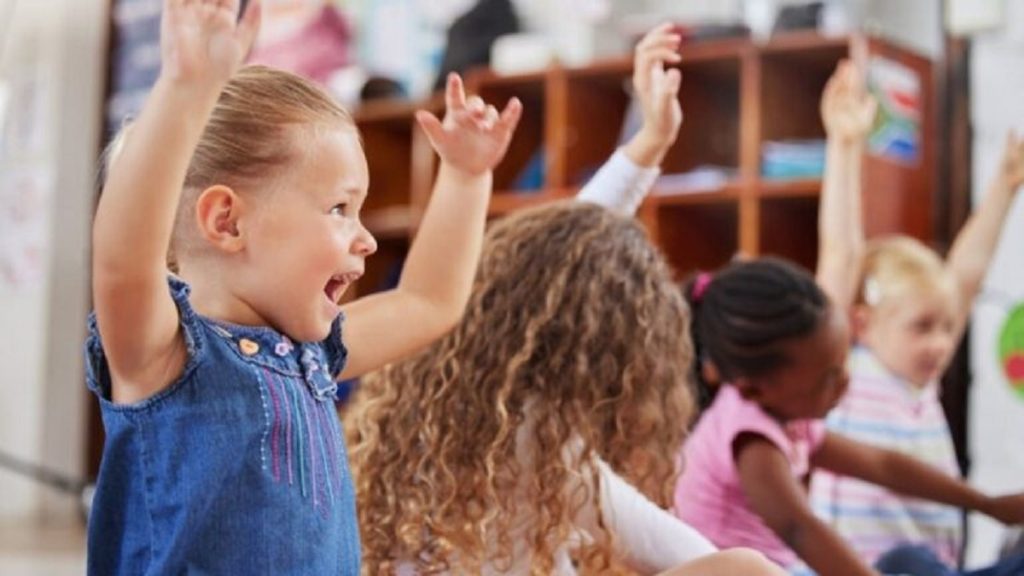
x=1011 y=349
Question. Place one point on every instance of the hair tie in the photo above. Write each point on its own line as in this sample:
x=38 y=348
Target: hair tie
x=700 y=286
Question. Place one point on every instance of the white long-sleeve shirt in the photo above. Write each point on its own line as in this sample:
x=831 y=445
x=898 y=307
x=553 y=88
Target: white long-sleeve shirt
x=620 y=184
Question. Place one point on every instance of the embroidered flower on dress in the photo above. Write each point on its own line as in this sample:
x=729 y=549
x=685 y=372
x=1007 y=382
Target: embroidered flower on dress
x=283 y=347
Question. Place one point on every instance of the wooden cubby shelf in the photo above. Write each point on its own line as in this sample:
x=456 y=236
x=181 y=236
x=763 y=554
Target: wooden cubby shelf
x=736 y=96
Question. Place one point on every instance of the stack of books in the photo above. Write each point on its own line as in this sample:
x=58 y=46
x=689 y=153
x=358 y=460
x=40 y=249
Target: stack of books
x=793 y=159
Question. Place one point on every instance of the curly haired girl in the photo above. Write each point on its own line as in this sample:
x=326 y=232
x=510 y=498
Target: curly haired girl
x=511 y=445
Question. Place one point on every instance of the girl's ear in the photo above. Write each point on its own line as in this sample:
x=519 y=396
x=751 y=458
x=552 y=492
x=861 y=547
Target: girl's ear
x=710 y=372
x=217 y=212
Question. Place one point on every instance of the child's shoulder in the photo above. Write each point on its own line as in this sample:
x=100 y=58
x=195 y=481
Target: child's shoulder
x=731 y=415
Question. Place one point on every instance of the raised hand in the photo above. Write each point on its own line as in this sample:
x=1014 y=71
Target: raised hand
x=1011 y=170
x=203 y=41
x=847 y=110
x=473 y=137
x=656 y=88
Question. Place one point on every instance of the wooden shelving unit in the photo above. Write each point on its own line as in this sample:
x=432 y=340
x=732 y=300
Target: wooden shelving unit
x=736 y=96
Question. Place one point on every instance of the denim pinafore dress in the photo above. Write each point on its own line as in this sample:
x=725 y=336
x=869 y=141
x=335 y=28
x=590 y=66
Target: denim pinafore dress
x=239 y=467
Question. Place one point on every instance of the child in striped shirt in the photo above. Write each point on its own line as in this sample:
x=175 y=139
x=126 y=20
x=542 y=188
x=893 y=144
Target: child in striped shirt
x=908 y=310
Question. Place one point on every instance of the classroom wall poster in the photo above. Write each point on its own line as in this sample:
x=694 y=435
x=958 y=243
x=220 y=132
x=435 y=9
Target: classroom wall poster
x=1011 y=349
x=897 y=131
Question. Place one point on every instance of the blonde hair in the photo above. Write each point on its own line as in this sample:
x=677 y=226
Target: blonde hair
x=897 y=265
x=249 y=138
x=574 y=314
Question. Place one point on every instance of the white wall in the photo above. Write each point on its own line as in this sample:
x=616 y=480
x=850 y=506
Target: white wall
x=916 y=24
x=996 y=415
x=53 y=62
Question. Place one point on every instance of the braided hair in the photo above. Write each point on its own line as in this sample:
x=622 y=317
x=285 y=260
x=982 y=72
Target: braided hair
x=743 y=315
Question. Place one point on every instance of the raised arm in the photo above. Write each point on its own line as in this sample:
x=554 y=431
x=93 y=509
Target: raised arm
x=442 y=261
x=201 y=47
x=974 y=246
x=901 y=473
x=781 y=502
x=847 y=112
x=625 y=179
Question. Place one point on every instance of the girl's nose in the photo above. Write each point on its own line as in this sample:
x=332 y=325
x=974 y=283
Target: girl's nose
x=365 y=244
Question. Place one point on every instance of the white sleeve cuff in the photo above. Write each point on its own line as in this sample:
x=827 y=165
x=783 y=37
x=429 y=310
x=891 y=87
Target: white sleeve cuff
x=620 y=184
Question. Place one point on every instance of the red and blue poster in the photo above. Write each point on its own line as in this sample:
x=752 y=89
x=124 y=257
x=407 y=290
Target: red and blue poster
x=897 y=131
x=1011 y=349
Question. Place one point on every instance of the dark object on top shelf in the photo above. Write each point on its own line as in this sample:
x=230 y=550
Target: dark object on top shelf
x=798 y=17
x=713 y=32
x=381 y=88
x=472 y=34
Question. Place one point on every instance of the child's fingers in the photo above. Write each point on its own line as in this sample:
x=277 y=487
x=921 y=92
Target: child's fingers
x=868 y=109
x=455 y=93
x=431 y=125
x=669 y=41
x=673 y=80
x=664 y=49
x=249 y=26
x=663 y=55
x=475 y=106
x=856 y=80
x=668 y=91
x=655 y=34
x=837 y=83
x=486 y=119
x=509 y=117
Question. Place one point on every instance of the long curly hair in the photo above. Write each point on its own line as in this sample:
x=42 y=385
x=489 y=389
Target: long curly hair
x=574 y=328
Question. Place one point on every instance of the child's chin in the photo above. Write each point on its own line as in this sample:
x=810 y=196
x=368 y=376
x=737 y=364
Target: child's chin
x=311 y=333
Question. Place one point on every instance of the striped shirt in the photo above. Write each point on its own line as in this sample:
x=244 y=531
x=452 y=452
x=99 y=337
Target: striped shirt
x=886 y=411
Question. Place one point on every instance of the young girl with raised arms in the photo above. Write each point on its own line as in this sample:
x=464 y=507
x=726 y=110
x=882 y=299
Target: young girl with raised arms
x=775 y=349
x=908 y=309
x=532 y=438
x=223 y=452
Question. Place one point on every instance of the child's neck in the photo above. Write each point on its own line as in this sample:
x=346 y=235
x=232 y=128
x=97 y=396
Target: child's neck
x=918 y=386
x=212 y=297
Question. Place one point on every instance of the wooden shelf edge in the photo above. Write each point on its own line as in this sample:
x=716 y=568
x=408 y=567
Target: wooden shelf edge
x=504 y=202
x=802 y=188
x=662 y=196
x=394 y=110
x=802 y=41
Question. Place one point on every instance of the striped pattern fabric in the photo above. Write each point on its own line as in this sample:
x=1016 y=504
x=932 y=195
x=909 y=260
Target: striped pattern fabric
x=883 y=410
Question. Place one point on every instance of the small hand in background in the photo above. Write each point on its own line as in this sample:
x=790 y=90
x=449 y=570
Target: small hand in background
x=657 y=88
x=203 y=41
x=473 y=137
x=847 y=110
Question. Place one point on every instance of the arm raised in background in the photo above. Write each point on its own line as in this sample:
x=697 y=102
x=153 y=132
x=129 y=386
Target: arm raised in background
x=976 y=243
x=443 y=258
x=625 y=179
x=848 y=113
x=202 y=44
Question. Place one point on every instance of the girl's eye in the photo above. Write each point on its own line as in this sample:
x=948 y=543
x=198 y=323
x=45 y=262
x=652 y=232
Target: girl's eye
x=339 y=209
